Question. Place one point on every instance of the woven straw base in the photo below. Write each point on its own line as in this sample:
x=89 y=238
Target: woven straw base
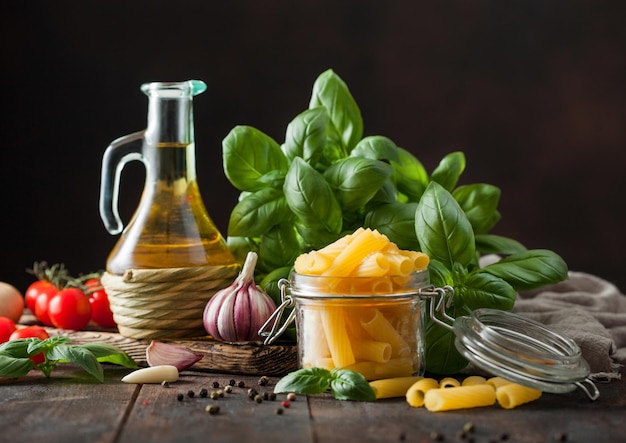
x=164 y=303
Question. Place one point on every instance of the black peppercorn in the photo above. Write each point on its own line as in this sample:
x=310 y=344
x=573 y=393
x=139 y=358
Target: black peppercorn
x=203 y=393
x=180 y=397
x=216 y=384
x=241 y=384
x=232 y=382
x=190 y=394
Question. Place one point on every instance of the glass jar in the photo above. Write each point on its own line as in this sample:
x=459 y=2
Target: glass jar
x=373 y=325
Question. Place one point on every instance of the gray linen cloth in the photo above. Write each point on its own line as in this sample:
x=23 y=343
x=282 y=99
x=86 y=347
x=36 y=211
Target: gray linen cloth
x=589 y=310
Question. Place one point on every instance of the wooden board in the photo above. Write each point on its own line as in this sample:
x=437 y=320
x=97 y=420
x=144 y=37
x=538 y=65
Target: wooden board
x=247 y=359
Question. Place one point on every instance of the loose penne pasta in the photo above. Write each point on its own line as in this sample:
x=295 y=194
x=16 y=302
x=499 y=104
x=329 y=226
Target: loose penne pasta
x=473 y=380
x=449 y=382
x=393 y=387
x=459 y=397
x=416 y=392
x=512 y=395
x=496 y=382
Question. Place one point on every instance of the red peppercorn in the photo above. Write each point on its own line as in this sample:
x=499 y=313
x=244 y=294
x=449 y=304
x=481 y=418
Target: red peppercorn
x=285 y=403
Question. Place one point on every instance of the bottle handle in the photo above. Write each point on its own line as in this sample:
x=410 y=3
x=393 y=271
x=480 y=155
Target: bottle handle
x=118 y=153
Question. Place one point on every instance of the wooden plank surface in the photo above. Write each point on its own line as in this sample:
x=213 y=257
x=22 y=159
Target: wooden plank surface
x=72 y=407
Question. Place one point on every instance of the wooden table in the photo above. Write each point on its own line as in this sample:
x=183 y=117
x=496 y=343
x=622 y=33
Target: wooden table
x=70 y=406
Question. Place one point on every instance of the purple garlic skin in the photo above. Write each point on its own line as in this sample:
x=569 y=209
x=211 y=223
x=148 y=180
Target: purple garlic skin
x=159 y=354
x=236 y=313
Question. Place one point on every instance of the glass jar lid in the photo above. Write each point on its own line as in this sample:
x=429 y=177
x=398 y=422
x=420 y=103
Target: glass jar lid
x=518 y=349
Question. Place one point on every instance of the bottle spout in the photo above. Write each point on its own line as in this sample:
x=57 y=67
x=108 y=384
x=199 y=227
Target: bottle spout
x=187 y=88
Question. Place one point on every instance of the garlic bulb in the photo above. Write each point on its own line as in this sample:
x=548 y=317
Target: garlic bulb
x=235 y=314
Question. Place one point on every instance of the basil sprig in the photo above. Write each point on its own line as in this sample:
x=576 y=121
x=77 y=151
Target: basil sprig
x=15 y=361
x=327 y=179
x=344 y=384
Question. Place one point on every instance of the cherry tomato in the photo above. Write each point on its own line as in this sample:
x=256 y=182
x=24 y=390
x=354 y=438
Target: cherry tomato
x=100 y=309
x=35 y=290
x=69 y=309
x=28 y=332
x=41 y=307
x=7 y=327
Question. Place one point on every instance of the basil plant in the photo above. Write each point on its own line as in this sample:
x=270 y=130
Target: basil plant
x=326 y=179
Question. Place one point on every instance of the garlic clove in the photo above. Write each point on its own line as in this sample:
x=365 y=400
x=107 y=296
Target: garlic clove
x=159 y=353
x=154 y=374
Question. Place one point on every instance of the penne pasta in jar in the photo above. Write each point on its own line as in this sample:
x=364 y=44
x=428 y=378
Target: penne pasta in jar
x=358 y=306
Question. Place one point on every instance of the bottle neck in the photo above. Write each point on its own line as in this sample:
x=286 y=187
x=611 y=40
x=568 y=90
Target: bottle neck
x=169 y=148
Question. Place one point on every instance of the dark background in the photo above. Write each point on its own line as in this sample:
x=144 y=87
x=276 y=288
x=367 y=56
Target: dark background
x=532 y=91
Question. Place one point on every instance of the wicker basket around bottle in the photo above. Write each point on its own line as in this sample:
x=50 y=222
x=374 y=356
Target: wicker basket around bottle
x=164 y=303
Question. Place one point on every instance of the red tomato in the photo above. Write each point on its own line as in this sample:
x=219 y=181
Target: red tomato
x=69 y=309
x=41 y=307
x=100 y=309
x=7 y=327
x=35 y=290
x=28 y=332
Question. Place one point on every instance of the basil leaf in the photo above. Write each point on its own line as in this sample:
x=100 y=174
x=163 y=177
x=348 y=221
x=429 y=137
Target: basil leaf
x=449 y=170
x=18 y=348
x=439 y=274
x=248 y=155
x=314 y=237
x=376 y=147
x=496 y=244
x=409 y=175
x=331 y=92
x=305 y=381
x=356 y=180
x=14 y=367
x=106 y=353
x=441 y=355
x=257 y=212
x=306 y=135
x=350 y=385
x=396 y=221
x=480 y=203
x=269 y=283
x=530 y=269
x=79 y=356
x=311 y=198
x=240 y=246
x=443 y=231
x=482 y=290
x=279 y=247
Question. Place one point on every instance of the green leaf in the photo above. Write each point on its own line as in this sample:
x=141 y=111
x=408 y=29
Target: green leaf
x=480 y=203
x=14 y=367
x=482 y=290
x=257 y=212
x=439 y=274
x=311 y=198
x=443 y=231
x=279 y=247
x=305 y=381
x=269 y=283
x=496 y=244
x=397 y=222
x=409 y=175
x=350 y=385
x=441 y=355
x=530 y=269
x=106 y=353
x=356 y=180
x=449 y=170
x=331 y=92
x=376 y=147
x=248 y=155
x=306 y=135
x=79 y=356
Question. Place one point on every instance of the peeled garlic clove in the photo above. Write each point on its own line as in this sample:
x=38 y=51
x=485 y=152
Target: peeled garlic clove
x=159 y=353
x=154 y=374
